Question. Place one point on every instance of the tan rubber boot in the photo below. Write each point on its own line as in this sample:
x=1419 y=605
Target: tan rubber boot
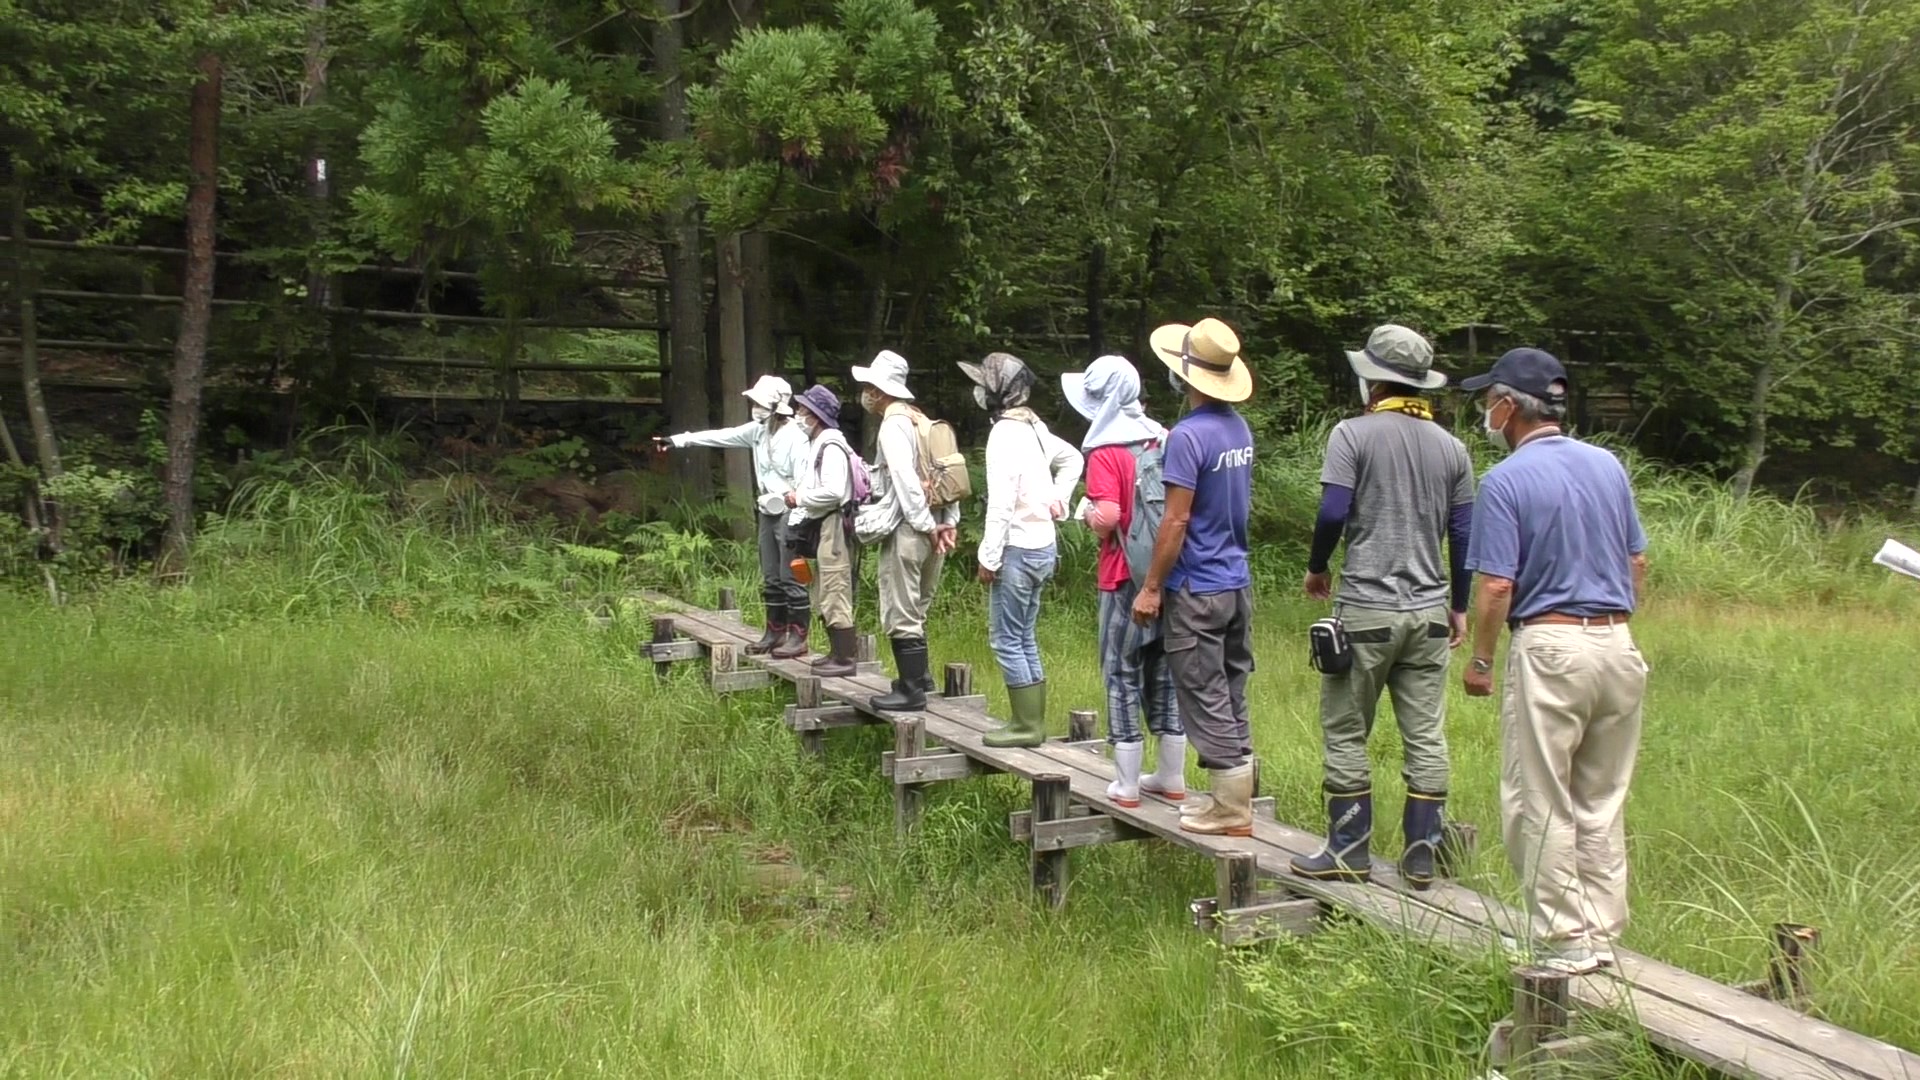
x=1231 y=811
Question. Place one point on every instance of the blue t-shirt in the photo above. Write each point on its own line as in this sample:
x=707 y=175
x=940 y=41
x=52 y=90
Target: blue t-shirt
x=1210 y=453
x=1557 y=519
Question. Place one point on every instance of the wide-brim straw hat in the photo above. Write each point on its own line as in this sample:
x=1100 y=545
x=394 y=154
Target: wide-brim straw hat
x=1207 y=356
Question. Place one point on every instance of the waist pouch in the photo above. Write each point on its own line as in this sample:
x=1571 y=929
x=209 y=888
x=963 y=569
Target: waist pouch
x=1328 y=649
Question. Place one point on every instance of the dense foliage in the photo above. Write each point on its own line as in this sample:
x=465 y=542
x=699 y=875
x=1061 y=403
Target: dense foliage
x=1710 y=208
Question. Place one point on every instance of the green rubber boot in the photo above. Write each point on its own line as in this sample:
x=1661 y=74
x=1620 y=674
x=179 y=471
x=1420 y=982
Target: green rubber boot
x=1029 y=724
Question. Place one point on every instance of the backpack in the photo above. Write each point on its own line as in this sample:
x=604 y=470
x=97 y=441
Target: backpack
x=941 y=465
x=1149 y=508
x=859 y=480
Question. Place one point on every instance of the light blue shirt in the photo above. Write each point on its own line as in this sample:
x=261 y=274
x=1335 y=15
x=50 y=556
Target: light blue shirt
x=1557 y=519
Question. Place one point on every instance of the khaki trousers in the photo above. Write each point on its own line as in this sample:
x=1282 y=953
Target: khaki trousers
x=909 y=573
x=1403 y=653
x=1570 y=730
x=835 y=574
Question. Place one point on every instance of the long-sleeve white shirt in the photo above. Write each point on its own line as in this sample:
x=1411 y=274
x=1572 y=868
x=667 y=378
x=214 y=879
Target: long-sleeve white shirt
x=826 y=483
x=897 y=494
x=779 y=454
x=1029 y=469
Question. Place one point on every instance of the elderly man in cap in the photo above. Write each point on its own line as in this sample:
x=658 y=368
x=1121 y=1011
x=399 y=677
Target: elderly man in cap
x=1120 y=438
x=1561 y=559
x=1031 y=474
x=1200 y=564
x=914 y=535
x=1396 y=485
x=779 y=454
x=822 y=516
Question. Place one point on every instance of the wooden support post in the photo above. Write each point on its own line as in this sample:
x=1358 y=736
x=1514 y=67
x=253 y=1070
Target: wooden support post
x=1051 y=796
x=867 y=656
x=1082 y=725
x=1786 y=980
x=1254 y=760
x=1540 y=1016
x=662 y=634
x=1234 y=874
x=729 y=602
x=959 y=681
x=806 y=692
x=909 y=741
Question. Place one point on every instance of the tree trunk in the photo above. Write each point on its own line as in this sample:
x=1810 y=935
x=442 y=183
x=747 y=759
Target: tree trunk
x=686 y=371
x=46 y=448
x=1761 y=390
x=196 y=314
x=1096 y=301
x=732 y=305
x=763 y=350
x=313 y=94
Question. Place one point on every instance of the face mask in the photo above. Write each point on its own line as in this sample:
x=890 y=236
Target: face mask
x=1174 y=380
x=761 y=412
x=1496 y=433
x=870 y=400
x=1366 y=392
x=980 y=398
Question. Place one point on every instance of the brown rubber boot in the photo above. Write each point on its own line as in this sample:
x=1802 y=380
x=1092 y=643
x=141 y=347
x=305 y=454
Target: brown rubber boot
x=1231 y=811
x=841 y=660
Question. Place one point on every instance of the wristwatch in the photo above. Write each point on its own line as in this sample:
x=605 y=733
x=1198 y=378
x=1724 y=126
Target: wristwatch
x=1481 y=665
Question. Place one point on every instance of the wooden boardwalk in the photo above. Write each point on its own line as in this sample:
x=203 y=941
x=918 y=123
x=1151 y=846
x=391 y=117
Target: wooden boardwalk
x=1750 y=1032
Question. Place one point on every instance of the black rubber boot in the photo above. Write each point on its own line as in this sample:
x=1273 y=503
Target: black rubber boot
x=910 y=657
x=1349 y=827
x=844 y=657
x=794 y=645
x=776 y=630
x=1420 y=820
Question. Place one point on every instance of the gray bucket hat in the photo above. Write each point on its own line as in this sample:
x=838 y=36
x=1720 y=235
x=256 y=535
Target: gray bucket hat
x=1396 y=354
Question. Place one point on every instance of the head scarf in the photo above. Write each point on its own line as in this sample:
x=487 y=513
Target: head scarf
x=1108 y=395
x=1006 y=382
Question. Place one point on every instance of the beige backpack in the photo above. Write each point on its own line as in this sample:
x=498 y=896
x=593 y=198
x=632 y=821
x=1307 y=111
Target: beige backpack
x=941 y=465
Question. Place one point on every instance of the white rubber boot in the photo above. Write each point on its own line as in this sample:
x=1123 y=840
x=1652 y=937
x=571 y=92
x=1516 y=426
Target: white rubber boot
x=1169 y=779
x=1125 y=789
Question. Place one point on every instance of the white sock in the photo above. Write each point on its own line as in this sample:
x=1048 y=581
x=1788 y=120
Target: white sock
x=1126 y=764
x=1170 y=767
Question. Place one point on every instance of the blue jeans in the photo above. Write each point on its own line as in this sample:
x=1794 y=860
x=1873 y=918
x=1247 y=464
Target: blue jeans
x=1013 y=610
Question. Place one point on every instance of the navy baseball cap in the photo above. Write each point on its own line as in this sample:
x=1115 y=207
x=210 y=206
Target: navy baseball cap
x=1528 y=370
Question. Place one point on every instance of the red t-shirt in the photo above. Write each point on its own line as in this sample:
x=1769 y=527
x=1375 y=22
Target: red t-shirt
x=1110 y=479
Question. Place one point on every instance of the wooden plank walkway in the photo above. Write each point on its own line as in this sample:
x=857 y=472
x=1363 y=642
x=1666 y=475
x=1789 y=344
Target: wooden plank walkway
x=1729 y=1029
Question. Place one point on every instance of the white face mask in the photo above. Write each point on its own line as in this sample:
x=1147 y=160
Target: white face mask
x=1174 y=380
x=870 y=399
x=1497 y=435
x=1366 y=392
x=760 y=412
x=980 y=397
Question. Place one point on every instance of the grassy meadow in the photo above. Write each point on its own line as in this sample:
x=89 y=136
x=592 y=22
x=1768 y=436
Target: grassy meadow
x=370 y=798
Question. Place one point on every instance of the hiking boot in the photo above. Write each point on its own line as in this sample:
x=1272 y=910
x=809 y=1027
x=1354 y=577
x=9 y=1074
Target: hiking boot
x=775 y=633
x=1029 y=724
x=1125 y=789
x=910 y=658
x=1349 y=827
x=1169 y=777
x=841 y=660
x=1420 y=820
x=1230 y=813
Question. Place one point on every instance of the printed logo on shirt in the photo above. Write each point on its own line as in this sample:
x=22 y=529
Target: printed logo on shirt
x=1233 y=459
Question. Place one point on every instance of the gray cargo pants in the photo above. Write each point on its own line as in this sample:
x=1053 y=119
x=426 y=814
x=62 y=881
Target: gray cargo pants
x=1208 y=642
x=1405 y=654
x=777 y=587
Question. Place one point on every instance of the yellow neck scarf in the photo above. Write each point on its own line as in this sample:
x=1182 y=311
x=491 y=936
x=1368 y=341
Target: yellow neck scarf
x=1416 y=407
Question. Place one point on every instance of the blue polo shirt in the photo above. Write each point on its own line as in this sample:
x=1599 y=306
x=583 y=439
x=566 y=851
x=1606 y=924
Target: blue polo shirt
x=1210 y=453
x=1557 y=519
